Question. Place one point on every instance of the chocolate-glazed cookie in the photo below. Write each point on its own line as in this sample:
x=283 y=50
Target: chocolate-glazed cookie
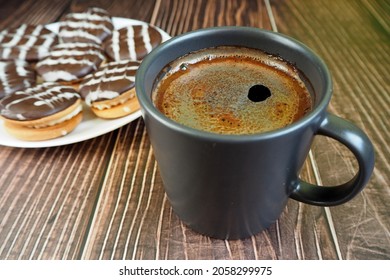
x=15 y=75
x=70 y=61
x=92 y=26
x=45 y=111
x=110 y=91
x=132 y=42
x=26 y=42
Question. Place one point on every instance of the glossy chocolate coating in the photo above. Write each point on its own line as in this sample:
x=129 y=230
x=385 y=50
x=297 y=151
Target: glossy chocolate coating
x=132 y=42
x=38 y=102
x=14 y=76
x=70 y=61
x=110 y=81
x=26 y=42
x=92 y=26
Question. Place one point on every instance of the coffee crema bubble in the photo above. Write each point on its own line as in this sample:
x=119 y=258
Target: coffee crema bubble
x=232 y=90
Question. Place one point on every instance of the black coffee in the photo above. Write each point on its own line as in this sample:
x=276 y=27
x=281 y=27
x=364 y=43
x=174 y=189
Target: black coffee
x=232 y=90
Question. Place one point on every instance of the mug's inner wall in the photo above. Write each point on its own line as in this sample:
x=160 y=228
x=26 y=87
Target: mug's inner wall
x=292 y=51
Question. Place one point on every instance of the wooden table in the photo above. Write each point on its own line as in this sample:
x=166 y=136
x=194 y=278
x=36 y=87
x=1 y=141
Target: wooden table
x=103 y=198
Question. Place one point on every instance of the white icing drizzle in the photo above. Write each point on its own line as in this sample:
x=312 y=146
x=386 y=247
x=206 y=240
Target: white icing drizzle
x=21 y=29
x=55 y=61
x=89 y=17
x=115 y=45
x=6 y=53
x=36 y=41
x=109 y=73
x=84 y=25
x=99 y=76
x=4 y=77
x=53 y=76
x=44 y=94
x=20 y=74
x=57 y=54
x=23 y=50
x=20 y=117
x=130 y=43
x=21 y=68
x=135 y=37
x=50 y=96
x=2 y=35
x=17 y=36
x=109 y=79
x=75 y=45
x=86 y=55
x=74 y=52
x=146 y=38
x=95 y=95
x=79 y=33
x=26 y=84
x=37 y=30
x=119 y=71
x=53 y=99
x=43 y=50
x=97 y=10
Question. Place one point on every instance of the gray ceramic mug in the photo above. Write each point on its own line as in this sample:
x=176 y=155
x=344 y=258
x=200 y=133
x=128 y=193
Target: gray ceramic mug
x=234 y=186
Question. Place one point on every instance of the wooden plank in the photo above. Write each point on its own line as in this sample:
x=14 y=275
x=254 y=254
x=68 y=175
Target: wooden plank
x=174 y=17
x=135 y=9
x=125 y=196
x=47 y=196
x=352 y=37
x=14 y=13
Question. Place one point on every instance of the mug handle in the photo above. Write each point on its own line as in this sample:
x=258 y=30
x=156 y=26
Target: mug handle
x=359 y=144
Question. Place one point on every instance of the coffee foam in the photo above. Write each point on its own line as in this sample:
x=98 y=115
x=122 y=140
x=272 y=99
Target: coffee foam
x=208 y=90
x=237 y=52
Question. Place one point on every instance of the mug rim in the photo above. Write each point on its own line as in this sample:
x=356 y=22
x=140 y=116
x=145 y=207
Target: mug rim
x=146 y=103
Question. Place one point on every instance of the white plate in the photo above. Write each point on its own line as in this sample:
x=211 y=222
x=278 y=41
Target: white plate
x=91 y=126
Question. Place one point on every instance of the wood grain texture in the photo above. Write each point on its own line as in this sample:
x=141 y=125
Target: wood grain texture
x=135 y=9
x=104 y=198
x=355 y=47
x=47 y=197
x=177 y=16
x=14 y=13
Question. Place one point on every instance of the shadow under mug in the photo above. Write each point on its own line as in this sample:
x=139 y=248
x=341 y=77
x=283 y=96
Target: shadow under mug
x=234 y=186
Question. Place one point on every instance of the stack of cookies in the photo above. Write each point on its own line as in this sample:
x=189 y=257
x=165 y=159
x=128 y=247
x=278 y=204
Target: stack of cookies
x=45 y=77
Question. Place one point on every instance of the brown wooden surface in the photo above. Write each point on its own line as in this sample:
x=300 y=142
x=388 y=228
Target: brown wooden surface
x=103 y=198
